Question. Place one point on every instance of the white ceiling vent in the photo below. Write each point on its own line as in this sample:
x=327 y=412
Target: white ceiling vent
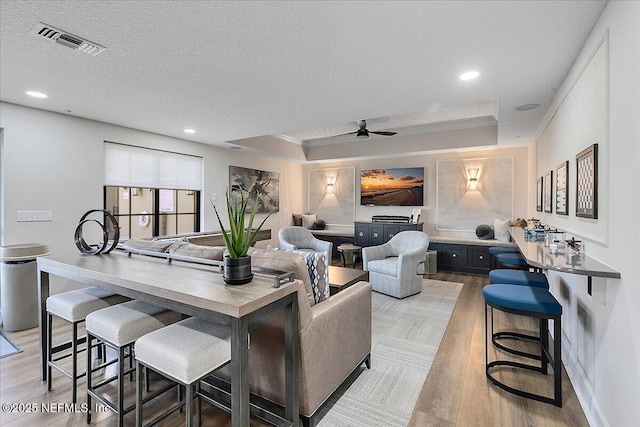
x=66 y=39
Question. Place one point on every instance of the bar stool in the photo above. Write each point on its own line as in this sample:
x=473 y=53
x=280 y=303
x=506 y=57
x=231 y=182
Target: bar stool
x=497 y=250
x=513 y=260
x=520 y=278
x=535 y=302
x=184 y=352
x=74 y=306
x=118 y=327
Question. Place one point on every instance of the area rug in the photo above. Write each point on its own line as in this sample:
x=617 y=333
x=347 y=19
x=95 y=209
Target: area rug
x=7 y=348
x=406 y=334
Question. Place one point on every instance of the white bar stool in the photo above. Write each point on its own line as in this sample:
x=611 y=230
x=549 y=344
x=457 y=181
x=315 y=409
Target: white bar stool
x=74 y=306
x=119 y=327
x=184 y=352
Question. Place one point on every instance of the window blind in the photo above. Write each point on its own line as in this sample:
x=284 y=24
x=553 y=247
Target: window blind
x=128 y=166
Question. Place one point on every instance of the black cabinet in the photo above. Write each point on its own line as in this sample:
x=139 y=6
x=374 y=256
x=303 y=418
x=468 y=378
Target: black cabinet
x=369 y=233
x=464 y=258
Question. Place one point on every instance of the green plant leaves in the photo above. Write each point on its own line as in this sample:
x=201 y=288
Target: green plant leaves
x=238 y=239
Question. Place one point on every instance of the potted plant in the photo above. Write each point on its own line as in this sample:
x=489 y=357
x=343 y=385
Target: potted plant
x=237 y=265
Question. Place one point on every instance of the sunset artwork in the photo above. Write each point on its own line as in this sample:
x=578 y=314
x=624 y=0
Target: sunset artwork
x=392 y=187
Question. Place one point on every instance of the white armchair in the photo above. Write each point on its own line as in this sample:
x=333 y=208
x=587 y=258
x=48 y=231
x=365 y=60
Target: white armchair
x=393 y=266
x=294 y=237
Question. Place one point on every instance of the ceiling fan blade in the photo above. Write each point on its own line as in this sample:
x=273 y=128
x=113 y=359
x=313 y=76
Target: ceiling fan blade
x=350 y=133
x=385 y=133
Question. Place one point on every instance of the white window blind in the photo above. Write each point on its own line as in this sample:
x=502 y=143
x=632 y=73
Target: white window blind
x=128 y=166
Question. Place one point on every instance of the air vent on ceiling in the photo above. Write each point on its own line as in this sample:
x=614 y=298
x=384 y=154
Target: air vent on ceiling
x=67 y=39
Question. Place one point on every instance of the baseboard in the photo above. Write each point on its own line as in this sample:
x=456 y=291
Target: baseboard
x=583 y=389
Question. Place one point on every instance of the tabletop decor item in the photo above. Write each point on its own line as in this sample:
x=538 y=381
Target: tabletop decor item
x=110 y=233
x=237 y=264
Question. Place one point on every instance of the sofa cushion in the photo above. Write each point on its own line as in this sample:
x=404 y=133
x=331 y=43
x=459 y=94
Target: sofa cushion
x=147 y=245
x=284 y=261
x=318 y=274
x=197 y=251
x=387 y=266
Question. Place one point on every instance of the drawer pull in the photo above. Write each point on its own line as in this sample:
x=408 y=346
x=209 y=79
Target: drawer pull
x=361 y=234
x=391 y=235
x=481 y=257
x=375 y=234
x=454 y=255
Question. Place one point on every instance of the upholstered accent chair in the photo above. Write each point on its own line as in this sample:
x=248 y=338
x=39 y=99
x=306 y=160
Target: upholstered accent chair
x=393 y=266
x=299 y=238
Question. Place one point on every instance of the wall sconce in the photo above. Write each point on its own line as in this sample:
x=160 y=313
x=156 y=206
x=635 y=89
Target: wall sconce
x=331 y=185
x=472 y=182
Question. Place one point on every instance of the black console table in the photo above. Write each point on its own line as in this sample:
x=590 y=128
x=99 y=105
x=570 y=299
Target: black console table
x=368 y=233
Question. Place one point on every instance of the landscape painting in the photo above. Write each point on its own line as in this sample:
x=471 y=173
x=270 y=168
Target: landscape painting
x=392 y=187
x=258 y=185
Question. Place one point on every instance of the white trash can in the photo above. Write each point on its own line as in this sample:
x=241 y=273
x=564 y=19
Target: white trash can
x=19 y=285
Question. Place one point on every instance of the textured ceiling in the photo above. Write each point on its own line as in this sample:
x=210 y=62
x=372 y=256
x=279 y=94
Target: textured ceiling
x=235 y=70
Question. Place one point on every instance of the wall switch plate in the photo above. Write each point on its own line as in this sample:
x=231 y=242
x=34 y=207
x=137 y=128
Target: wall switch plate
x=35 y=216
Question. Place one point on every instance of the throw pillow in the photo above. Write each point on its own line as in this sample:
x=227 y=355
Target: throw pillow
x=484 y=232
x=318 y=274
x=319 y=224
x=198 y=251
x=308 y=220
x=297 y=219
x=501 y=229
x=284 y=261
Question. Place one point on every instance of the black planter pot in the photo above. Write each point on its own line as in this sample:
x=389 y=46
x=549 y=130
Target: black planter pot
x=237 y=271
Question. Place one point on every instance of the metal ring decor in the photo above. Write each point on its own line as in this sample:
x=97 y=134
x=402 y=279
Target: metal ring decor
x=110 y=232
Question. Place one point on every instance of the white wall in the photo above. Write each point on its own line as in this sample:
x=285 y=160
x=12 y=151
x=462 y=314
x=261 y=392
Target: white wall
x=54 y=162
x=429 y=162
x=602 y=341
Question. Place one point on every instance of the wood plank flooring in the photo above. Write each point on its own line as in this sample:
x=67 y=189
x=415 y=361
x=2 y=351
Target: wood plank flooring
x=456 y=391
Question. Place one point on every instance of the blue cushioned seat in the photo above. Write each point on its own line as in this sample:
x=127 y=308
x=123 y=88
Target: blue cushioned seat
x=497 y=250
x=512 y=259
x=518 y=277
x=528 y=301
x=522 y=298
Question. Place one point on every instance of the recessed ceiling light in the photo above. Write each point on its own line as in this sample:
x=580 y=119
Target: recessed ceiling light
x=469 y=75
x=527 y=107
x=36 y=94
x=190 y=131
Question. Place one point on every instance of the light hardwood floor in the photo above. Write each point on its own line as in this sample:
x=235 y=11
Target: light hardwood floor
x=456 y=391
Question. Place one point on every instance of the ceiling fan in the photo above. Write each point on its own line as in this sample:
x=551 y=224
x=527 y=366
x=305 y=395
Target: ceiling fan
x=363 y=132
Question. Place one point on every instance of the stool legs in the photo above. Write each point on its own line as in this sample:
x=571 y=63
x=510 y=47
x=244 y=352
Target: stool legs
x=544 y=357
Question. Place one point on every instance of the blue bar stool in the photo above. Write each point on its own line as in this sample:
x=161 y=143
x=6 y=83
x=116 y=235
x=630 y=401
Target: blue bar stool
x=513 y=260
x=497 y=250
x=518 y=277
x=535 y=302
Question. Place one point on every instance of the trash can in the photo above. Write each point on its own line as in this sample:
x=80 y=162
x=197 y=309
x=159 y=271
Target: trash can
x=19 y=285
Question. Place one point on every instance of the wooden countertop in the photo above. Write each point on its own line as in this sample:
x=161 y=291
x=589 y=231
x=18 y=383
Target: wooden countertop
x=189 y=284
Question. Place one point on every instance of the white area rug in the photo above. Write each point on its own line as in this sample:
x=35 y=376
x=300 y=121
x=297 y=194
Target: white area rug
x=406 y=334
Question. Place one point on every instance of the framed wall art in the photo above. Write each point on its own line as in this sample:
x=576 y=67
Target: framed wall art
x=262 y=185
x=562 y=187
x=539 y=194
x=548 y=192
x=587 y=182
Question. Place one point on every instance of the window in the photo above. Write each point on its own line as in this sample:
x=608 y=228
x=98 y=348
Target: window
x=152 y=192
x=151 y=212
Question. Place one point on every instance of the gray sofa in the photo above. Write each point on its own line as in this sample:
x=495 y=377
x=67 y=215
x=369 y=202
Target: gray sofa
x=335 y=334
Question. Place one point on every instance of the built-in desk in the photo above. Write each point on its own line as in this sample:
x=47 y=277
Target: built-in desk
x=540 y=256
